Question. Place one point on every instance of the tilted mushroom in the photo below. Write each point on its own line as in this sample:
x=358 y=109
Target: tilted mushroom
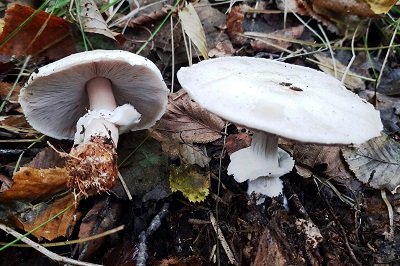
x=277 y=100
x=92 y=97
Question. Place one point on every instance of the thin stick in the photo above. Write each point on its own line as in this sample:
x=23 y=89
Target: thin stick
x=43 y=250
x=390 y=235
x=221 y=238
x=72 y=242
x=128 y=193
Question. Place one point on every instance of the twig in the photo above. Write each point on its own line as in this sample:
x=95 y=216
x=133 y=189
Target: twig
x=43 y=250
x=145 y=235
x=221 y=238
x=128 y=193
x=389 y=236
x=72 y=242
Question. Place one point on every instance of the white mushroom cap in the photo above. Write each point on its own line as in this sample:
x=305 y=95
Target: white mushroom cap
x=55 y=98
x=287 y=100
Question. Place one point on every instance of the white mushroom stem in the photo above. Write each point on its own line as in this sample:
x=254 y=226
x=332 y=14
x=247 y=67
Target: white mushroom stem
x=262 y=158
x=101 y=98
x=266 y=145
x=104 y=118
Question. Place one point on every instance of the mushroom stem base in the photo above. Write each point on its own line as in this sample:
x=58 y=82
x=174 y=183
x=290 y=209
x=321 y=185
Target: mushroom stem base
x=93 y=166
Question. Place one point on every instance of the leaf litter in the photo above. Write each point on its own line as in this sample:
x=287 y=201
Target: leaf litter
x=190 y=146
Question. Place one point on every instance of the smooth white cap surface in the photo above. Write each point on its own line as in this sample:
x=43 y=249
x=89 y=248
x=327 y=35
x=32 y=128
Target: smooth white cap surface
x=287 y=100
x=55 y=97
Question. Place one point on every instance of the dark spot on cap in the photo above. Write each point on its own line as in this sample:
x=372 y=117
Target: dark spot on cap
x=286 y=84
x=294 y=88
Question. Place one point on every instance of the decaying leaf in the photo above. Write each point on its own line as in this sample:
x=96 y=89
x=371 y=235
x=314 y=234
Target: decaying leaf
x=186 y=122
x=188 y=153
x=102 y=217
x=352 y=81
x=376 y=162
x=194 y=29
x=235 y=142
x=263 y=37
x=47 y=158
x=16 y=126
x=44 y=35
x=33 y=184
x=92 y=20
x=146 y=170
x=187 y=179
x=5 y=88
x=323 y=159
x=310 y=230
x=213 y=22
x=42 y=212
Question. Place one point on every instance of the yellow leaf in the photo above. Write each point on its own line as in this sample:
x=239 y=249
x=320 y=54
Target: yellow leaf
x=194 y=29
x=187 y=179
x=381 y=6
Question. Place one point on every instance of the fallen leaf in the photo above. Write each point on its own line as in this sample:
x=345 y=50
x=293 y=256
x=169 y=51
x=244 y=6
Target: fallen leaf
x=102 y=217
x=146 y=170
x=320 y=159
x=191 y=154
x=381 y=6
x=263 y=34
x=270 y=251
x=61 y=226
x=92 y=19
x=43 y=34
x=5 y=88
x=33 y=184
x=186 y=122
x=188 y=153
x=352 y=81
x=376 y=162
x=13 y=126
x=213 y=22
x=193 y=28
x=188 y=179
x=274 y=41
x=47 y=158
x=235 y=142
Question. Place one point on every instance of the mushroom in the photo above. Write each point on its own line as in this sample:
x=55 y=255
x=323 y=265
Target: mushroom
x=277 y=100
x=92 y=97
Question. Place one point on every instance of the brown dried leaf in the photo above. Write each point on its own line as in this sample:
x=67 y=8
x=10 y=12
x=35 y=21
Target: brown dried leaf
x=5 y=88
x=323 y=159
x=186 y=122
x=16 y=126
x=33 y=184
x=213 y=22
x=235 y=142
x=42 y=212
x=92 y=19
x=44 y=35
x=47 y=158
x=274 y=41
x=102 y=217
x=269 y=251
